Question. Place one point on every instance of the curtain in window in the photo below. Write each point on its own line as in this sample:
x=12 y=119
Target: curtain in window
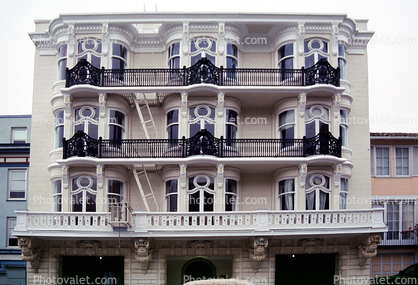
x=288 y=187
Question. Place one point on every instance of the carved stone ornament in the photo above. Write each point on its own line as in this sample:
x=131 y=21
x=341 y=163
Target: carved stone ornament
x=368 y=248
x=258 y=252
x=302 y=104
x=183 y=178
x=337 y=175
x=185 y=38
x=143 y=252
x=335 y=34
x=310 y=244
x=184 y=104
x=220 y=178
x=200 y=246
x=100 y=178
x=221 y=101
x=303 y=170
x=337 y=103
x=102 y=105
x=301 y=38
x=30 y=252
x=89 y=246
x=221 y=38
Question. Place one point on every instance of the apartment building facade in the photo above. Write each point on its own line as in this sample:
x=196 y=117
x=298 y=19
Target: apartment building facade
x=172 y=147
x=14 y=170
x=394 y=169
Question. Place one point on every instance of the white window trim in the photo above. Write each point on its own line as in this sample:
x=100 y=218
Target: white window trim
x=112 y=56
x=278 y=61
x=390 y=160
x=171 y=194
x=231 y=193
x=12 y=135
x=7 y=232
x=409 y=160
x=294 y=123
x=56 y=195
x=295 y=193
x=172 y=124
x=109 y=123
x=10 y=170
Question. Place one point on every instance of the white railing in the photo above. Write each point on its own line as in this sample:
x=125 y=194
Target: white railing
x=213 y=223
x=400 y=239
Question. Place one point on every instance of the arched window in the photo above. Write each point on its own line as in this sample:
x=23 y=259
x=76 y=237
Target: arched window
x=201 y=193
x=202 y=47
x=201 y=117
x=318 y=192
x=316 y=120
x=198 y=269
x=315 y=50
x=83 y=194
x=87 y=120
x=90 y=50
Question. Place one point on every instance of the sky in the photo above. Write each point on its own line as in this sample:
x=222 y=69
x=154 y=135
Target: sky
x=392 y=51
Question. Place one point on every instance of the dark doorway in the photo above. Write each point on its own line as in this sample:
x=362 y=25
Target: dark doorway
x=198 y=269
x=305 y=269
x=98 y=269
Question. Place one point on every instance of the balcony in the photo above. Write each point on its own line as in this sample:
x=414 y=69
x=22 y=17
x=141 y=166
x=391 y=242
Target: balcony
x=207 y=224
x=203 y=143
x=203 y=72
x=396 y=238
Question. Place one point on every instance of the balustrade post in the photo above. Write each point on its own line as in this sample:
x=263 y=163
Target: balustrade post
x=221 y=147
x=184 y=76
x=221 y=75
x=64 y=148
x=303 y=76
x=100 y=147
x=101 y=83
x=67 y=77
x=183 y=148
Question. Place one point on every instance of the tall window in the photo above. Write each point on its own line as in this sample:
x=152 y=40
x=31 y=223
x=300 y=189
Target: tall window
x=201 y=117
x=90 y=50
x=402 y=161
x=287 y=194
x=344 y=127
x=11 y=239
x=201 y=193
x=57 y=195
x=119 y=56
x=200 y=47
x=19 y=135
x=316 y=120
x=285 y=57
x=315 y=50
x=343 y=193
x=342 y=60
x=171 y=195
x=382 y=157
x=287 y=126
x=116 y=125
x=17 y=184
x=231 y=56
x=87 y=120
x=173 y=124
x=231 y=192
x=174 y=56
x=62 y=61
x=114 y=191
x=231 y=125
x=318 y=192
x=59 y=128
x=83 y=194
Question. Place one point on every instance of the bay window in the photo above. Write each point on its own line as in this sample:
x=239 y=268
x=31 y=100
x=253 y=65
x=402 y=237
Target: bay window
x=285 y=60
x=201 y=193
x=202 y=47
x=87 y=120
x=114 y=191
x=315 y=50
x=91 y=50
x=83 y=194
x=231 y=126
x=287 y=127
x=119 y=56
x=316 y=120
x=173 y=124
x=317 y=192
x=343 y=193
x=201 y=117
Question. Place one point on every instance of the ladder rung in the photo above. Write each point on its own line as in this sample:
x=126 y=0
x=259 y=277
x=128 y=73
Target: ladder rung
x=148 y=195
x=146 y=122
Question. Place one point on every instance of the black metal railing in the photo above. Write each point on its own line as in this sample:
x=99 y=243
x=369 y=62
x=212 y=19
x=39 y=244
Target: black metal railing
x=203 y=143
x=203 y=72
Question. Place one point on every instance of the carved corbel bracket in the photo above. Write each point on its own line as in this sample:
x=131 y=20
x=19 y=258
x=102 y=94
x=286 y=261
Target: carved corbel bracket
x=30 y=252
x=143 y=252
x=258 y=252
x=368 y=248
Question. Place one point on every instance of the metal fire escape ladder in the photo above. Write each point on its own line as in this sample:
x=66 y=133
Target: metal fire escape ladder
x=145 y=189
x=140 y=174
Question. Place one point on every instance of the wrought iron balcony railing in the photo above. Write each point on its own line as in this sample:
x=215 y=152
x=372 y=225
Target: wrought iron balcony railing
x=203 y=143
x=204 y=71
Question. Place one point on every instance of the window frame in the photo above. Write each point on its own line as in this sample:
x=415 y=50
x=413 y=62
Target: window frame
x=229 y=124
x=279 y=195
x=171 y=57
x=344 y=125
x=201 y=190
x=9 y=180
x=375 y=160
x=83 y=120
x=9 y=233
x=317 y=190
x=234 y=196
x=12 y=135
x=115 y=124
x=395 y=147
x=318 y=119
x=62 y=62
x=121 y=193
x=206 y=51
x=170 y=125
x=283 y=59
x=281 y=127
x=343 y=201
x=342 y=59
x=90 y=52
x=113 y=56
x=316 y=52
x=168 y=195
x=202 y=119
x=57 y=196
x=84 y=190
x=59 y=125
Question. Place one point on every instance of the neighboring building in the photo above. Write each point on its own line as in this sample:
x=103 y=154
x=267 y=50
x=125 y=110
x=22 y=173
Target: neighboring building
x=239 y=164
x=14 y=170
x=394 y=168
